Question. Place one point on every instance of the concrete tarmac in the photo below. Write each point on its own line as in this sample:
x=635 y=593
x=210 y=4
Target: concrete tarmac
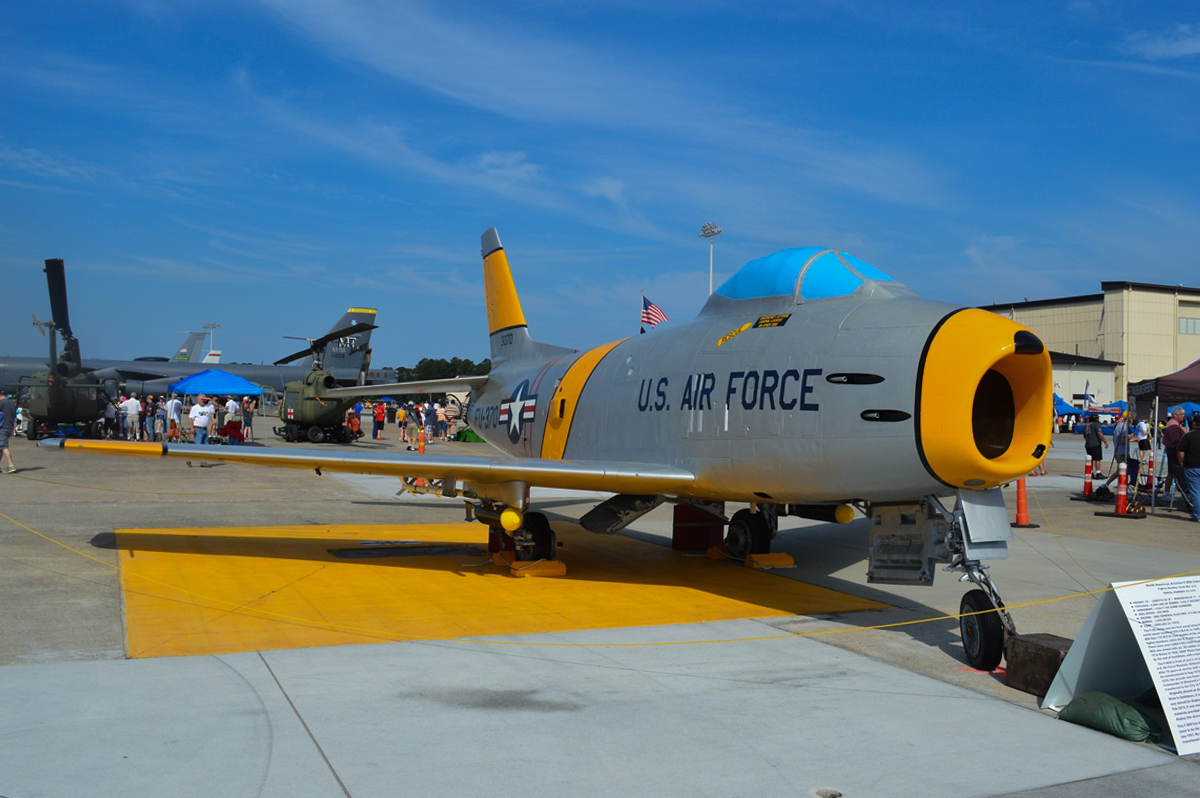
x=641 y=710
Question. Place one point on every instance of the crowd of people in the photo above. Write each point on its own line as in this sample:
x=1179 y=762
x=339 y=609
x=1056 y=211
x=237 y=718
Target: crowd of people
x=1133 y=444
x=438 y=420
x=161 y=418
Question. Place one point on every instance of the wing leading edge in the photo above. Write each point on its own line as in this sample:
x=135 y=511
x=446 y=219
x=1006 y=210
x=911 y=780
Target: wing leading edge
x=612 y=477
x=454 y=384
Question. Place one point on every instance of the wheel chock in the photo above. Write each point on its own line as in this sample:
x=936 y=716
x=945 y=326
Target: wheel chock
x=762 y=561
x=522 y=568
x=718 y=553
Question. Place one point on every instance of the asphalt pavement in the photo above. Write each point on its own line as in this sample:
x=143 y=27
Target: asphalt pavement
x=792 y=705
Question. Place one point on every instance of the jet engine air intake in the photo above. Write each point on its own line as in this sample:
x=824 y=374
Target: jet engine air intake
x=983 y=400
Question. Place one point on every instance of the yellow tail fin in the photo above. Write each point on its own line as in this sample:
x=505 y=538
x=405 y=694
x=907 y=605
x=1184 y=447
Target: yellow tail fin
x=503 y=304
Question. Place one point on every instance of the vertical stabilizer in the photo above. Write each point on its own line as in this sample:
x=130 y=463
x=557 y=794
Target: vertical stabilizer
x=191 y=350
x=506 y=321
x=348 y=354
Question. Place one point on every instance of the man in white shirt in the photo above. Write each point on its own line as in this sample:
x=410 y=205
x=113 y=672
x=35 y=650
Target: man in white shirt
x=131 y=407
x=174 y=409
x=201 y=416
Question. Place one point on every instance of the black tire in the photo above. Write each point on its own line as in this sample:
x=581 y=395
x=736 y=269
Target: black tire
x=316 y=434
x=96 y=430
x=748 y=533
x=31 y=429
x=545 y=542
x=982 y=635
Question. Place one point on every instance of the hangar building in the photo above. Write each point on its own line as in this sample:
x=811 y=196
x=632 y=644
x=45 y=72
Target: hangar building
x=1136 y=330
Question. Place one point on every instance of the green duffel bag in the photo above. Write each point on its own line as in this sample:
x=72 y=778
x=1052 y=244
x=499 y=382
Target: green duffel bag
x=1104 y=713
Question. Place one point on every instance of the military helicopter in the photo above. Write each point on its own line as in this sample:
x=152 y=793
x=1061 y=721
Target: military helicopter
x=65 y=396
x=306 y=410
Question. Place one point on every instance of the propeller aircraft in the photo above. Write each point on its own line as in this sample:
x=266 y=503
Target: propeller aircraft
x=809 y=384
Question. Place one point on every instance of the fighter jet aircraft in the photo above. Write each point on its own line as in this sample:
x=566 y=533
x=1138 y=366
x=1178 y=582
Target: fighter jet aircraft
x=809 y=383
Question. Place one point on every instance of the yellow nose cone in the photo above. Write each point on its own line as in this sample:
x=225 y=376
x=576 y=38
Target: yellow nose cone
x=985 y=396
x=844 y=514
x=511 y=520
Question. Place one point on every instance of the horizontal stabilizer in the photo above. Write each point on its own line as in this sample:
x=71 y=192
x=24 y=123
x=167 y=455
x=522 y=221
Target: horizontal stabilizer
x=452 y=385
x=612 y=477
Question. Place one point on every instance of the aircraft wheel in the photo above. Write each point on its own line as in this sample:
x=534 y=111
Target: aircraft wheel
x=316 y=434
x=748 y=533
x=96 y=429
x=31 y=429
x=545 y=542
x=982 y=635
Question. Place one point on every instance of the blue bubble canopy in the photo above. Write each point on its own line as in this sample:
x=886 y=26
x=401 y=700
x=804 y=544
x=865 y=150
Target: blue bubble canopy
x=805 y=273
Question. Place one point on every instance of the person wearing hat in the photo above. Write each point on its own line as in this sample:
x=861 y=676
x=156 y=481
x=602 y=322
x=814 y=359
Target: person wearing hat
x=8 y=421
x=1093 y=437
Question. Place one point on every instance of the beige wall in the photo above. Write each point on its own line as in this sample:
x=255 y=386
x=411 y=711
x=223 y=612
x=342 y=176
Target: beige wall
x=1187 y=347
x=1070 y=380
x=1149 y=327
x=1137 y=327
x=1072 y=327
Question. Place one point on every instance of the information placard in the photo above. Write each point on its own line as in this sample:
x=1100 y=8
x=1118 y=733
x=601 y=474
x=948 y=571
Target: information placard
x=1165 y=619
x=1141 y=634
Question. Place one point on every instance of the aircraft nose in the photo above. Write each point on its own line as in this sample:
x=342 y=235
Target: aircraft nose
x=984 y=398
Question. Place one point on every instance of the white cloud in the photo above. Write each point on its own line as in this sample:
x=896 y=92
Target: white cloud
x=1182 y=42
x=27 y=159
x=521 y=74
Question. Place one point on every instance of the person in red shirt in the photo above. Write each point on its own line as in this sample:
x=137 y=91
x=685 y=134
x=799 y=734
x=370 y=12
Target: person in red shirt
x=380 y=414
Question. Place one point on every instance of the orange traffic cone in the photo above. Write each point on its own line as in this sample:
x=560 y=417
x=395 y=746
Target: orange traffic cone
x=1023 y=507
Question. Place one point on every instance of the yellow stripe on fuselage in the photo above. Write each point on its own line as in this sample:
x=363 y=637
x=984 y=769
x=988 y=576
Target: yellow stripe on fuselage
x=566 y=399
x=503 y=305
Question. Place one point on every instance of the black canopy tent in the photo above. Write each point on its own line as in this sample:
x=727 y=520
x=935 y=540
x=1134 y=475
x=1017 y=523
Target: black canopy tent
x=1147 y=396
x=1170 y=389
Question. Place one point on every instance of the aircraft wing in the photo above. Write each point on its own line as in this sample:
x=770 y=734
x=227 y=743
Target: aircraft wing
x=612 y=477
x=428 y=386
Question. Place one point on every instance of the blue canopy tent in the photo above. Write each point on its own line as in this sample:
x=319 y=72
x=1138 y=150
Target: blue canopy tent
x=1189 y=408
x=1061 y=408
x=215 y=382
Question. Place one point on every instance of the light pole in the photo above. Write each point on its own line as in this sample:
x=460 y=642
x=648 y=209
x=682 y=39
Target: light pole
x=709 y=231
x=212 y=336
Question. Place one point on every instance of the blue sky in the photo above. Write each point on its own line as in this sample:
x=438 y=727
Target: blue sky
x=265 y=165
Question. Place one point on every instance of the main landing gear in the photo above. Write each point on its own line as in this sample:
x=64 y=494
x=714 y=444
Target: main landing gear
x=908 y=540
x=751 y=532
x=524 y=542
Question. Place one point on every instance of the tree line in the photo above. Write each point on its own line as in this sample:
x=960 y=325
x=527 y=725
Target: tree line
x=439 y=368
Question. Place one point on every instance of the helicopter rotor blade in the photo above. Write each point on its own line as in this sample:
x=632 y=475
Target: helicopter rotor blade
x=317 y=345
x=56 y=280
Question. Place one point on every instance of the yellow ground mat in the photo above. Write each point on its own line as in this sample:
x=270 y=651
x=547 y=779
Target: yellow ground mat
x=222 y=590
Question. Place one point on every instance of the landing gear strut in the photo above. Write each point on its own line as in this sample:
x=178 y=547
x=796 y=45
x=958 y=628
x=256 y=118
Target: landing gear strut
x=983 y=634
x=907 y=539
x=538 y=541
